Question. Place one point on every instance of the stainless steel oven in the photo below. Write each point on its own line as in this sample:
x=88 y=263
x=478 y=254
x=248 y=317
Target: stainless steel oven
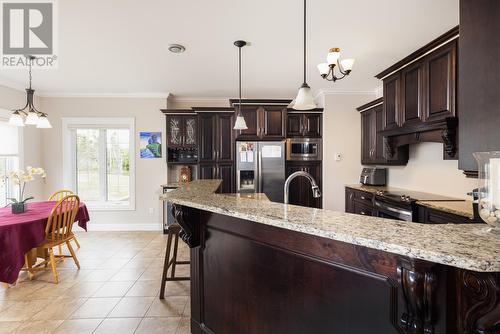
x=303 y=149
x=391 y=211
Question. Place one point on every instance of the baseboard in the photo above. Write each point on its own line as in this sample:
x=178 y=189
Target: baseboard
x=123 y=227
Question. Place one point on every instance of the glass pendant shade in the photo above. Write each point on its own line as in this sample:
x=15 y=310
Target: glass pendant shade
x=304 y=99
x=16 y=119
x=240 y=123
x=333 y=56
x=43 y=122
x=32 y=118
x=323 y=68
x=347 y=64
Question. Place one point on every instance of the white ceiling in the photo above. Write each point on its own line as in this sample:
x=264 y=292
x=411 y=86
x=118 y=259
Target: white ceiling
x=119 y=46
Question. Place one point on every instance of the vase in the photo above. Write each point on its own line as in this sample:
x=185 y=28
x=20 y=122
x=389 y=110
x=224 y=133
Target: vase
x=18 y=207
x=489 y=188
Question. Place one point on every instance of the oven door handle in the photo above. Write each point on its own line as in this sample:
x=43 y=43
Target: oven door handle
x=401 y=212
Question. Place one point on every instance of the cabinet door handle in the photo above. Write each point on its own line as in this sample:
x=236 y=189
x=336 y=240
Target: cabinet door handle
x=363 y=197
x=351 y=196
x=362 y=213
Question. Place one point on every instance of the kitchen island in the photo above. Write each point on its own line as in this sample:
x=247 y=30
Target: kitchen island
x=264 y=267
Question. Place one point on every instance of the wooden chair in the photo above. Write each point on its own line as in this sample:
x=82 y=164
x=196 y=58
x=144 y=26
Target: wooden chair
x=57 y=232
x=57 y=196
x=172 y=232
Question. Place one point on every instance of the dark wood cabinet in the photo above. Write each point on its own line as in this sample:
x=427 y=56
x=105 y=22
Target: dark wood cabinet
x=372 y=142
x=304 y=124
x=294 y=125
x=217 y=141
x=479 y=78
x=391 y=101
x=412 y=81
x=420 y=98
x=208 y=140
x=182 y=130
x=440 y=83
x=216 y=137
x=263 y=122
x=300 y=188
x=359 y=202
x=427 y=215
x=223 y=171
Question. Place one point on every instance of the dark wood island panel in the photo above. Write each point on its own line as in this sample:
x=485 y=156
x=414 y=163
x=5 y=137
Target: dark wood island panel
x=249 y=277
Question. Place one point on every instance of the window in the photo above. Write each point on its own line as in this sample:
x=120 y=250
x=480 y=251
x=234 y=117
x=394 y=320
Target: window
x=99 y=161
x=10 y=140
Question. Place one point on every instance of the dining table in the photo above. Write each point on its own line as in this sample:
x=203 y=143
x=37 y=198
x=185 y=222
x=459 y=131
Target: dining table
x=20 y=233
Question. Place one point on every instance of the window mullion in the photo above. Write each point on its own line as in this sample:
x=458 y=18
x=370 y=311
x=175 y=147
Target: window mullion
x=103 y=165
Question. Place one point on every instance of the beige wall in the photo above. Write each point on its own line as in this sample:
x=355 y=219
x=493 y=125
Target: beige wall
x=150 y=173
x=32 y=138
x=427 y=171
x=341 y=134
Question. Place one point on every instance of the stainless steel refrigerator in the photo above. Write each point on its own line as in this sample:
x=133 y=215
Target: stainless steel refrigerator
x=260 y=167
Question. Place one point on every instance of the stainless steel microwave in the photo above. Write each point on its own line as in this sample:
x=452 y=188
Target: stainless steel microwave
x=303 y=149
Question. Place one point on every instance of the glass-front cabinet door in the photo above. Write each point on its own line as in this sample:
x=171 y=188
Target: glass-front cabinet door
x=174 y=130
x=182 y=130
x=190 y=131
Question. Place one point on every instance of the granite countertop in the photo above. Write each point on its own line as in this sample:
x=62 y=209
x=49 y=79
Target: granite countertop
x=459 y=207
x=463 y=246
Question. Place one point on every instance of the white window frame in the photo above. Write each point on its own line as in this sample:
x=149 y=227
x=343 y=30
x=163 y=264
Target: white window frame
x=4 y=117
x=69 y=155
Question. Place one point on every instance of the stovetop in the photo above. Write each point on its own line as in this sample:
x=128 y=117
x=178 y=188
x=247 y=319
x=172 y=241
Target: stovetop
x=413 y=196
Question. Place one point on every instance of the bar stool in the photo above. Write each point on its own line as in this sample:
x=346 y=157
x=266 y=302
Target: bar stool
x=172 y=232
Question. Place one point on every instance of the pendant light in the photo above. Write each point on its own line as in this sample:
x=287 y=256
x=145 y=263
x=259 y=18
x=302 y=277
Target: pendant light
x=240 y=123
x=305 y=98
x=32 y=115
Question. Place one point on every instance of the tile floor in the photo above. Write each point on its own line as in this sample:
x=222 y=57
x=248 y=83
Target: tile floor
x=116 y=291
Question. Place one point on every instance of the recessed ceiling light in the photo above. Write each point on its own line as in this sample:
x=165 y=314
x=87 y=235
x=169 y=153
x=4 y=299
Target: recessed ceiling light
x=176 y=48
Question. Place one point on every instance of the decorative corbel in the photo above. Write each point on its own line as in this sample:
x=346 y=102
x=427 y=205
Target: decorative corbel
x=449 y=136
x=388 y=149
x=417 y=281
x=187 y=233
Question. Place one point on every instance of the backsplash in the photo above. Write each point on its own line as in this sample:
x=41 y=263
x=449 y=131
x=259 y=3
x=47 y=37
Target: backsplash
x=427 y=171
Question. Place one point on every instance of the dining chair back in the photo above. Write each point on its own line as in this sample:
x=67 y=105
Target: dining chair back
x=57 y=196
x=60 y=194
x=60 y=223
x=58 y=231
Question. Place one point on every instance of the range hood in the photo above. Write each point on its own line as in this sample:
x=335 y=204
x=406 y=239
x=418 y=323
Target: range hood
x=439 y=131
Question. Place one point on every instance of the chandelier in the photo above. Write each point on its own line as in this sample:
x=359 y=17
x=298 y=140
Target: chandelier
x=344 y=66
x=29 y=114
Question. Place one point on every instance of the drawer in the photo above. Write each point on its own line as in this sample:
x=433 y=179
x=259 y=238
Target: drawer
x=430 y=216
x=360 y=208
x=363 y=196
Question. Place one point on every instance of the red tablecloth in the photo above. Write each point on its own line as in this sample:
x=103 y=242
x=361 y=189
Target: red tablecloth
x=21 y=232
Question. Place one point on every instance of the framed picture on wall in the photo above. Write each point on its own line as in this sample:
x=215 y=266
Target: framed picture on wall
x=150 y=145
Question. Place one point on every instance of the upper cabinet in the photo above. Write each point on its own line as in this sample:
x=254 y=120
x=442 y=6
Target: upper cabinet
x=441 y=82
x=479 y=78
x=182 y=130
x=420 y=98
x=216 y=137
x=263 y=122
x=304 y=124
x=372 y=142
x=392 y=86
x=412 y=93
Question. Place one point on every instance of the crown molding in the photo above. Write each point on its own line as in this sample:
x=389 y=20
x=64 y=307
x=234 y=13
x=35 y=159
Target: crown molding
x=158 y=95
x=186 y=99
x=344 y=92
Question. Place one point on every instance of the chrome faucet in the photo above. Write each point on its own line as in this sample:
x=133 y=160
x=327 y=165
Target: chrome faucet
x=314 y=186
